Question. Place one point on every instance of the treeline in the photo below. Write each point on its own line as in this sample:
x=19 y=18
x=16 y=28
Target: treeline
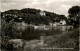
x=32 y=16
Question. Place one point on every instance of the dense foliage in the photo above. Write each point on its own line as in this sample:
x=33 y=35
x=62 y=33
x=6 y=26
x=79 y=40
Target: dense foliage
x=74 y=16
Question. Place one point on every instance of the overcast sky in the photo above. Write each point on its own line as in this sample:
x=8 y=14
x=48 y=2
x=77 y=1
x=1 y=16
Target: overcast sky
x=57 y=6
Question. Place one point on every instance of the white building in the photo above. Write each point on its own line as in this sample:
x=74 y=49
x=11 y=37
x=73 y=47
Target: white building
x=54 y=24
x=42 y=13
x=63 y=22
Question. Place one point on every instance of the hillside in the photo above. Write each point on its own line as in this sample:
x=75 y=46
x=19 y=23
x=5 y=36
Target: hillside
x=32 y=16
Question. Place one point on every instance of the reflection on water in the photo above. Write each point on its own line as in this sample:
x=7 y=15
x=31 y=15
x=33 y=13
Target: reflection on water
x=62 y=28
x=34 y=32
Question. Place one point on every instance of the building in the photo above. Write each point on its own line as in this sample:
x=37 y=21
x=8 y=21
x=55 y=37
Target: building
x=42 y=13
x=54 y=24
x=62 y=22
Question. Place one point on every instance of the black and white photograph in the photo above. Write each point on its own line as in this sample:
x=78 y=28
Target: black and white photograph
x=39 y=25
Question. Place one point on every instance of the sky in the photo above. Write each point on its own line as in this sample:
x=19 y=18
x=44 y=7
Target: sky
x=56 y=6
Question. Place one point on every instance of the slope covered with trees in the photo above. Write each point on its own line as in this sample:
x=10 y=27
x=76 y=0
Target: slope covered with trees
x=32 y=16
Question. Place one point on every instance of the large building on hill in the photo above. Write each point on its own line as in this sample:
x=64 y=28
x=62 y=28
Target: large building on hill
x=42 y=13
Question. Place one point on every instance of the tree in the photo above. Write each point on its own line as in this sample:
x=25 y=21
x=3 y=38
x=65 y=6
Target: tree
x=8 y=29
x=74 y=15
x=74 y=10
x=12 y=11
